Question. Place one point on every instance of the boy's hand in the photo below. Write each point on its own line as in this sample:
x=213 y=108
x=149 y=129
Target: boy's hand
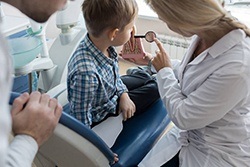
x=126 y=106
x=116 y=159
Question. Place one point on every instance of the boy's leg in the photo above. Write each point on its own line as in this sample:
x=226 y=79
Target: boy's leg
x=143 y=89
x=144 y=68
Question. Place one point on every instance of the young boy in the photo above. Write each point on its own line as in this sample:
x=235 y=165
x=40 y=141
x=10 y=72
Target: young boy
x=95 y=88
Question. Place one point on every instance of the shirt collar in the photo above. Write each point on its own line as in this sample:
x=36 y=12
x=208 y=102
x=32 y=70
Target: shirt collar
x=219 y=47
x=98 y=55
x=226 y=42
x=198 y=59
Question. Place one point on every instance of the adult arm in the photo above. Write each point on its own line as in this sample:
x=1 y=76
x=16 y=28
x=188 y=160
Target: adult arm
x=216 y=96
x=175 y=66
x=34 y=119
x=209 y=102
x=21 y=152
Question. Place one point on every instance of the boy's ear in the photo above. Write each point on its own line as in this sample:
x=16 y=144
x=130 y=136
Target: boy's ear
x=112 y=34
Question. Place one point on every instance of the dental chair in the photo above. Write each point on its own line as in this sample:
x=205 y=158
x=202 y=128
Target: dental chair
x=75 y=145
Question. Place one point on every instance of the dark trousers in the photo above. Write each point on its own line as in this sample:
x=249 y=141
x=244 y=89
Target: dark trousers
x=142 y=89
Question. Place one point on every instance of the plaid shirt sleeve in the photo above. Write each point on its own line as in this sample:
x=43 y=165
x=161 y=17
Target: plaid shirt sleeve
x=81 y=94
x=120 y=86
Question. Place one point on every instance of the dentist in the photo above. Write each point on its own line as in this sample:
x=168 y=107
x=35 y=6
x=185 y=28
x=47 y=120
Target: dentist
x=209 y=99
x=33 y=123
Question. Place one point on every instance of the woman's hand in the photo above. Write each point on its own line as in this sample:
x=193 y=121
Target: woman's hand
x=126 y=106
x=161 y=59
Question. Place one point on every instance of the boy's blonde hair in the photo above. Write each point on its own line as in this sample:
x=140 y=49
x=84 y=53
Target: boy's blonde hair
x=101 y=15
x=196 y=15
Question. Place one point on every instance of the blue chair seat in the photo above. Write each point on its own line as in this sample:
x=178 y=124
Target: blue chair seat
x=139 y=134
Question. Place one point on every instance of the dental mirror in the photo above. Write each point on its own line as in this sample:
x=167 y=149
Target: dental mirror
x=149 y=36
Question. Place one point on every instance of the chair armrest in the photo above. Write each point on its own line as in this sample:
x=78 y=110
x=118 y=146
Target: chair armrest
x=58 y=90
x=87 y=133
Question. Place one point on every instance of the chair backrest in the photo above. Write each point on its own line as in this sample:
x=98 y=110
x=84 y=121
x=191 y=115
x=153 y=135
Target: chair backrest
x=60 y=55
x=74 y=144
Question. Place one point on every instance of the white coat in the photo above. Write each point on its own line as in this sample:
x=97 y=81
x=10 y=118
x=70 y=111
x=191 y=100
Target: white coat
x=22 y=149
x=210 y=101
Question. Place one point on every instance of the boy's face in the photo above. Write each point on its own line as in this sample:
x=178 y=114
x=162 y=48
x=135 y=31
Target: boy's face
x=123 y=36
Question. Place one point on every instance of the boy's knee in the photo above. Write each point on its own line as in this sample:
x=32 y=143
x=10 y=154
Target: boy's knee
x=153 y=89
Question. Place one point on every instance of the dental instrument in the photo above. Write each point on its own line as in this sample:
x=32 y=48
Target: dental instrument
x=149 y=36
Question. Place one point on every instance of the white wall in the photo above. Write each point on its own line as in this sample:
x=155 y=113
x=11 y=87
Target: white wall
x=148 y=20
x=145 y=24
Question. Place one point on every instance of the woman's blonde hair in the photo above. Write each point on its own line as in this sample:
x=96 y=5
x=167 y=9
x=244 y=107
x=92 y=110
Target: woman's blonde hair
x=100 y=15
x=222 y=2
x=196 y=15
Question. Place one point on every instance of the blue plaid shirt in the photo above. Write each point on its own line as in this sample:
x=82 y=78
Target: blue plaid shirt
x=93 y=83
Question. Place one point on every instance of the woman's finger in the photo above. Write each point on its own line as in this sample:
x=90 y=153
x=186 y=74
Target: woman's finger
x=159 y=45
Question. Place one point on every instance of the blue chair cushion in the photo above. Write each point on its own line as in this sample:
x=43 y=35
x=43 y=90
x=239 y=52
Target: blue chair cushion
x=139 y=134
